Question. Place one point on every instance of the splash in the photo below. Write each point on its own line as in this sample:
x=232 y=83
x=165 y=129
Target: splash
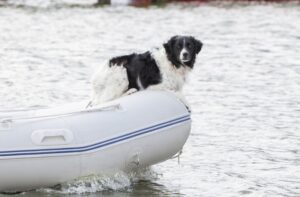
x=120 y=181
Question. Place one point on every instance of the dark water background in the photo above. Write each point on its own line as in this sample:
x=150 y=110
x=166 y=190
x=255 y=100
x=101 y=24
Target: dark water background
x=244 y=91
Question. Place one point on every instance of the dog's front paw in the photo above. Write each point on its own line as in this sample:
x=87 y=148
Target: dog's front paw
x=130 y=91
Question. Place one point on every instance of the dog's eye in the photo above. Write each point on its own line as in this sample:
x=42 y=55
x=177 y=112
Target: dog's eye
x=188 y=45
x=178 y=47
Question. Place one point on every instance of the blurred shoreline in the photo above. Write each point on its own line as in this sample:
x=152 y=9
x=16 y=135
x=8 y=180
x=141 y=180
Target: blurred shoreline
x=145 y=3
x=136 y=3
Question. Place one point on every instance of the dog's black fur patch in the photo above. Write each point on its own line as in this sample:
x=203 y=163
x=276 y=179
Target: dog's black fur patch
x=139 y=66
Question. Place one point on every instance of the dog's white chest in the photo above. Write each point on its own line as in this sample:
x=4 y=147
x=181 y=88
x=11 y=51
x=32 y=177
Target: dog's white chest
x=172 y=78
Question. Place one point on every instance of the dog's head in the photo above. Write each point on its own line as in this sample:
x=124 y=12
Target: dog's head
x=182 y=50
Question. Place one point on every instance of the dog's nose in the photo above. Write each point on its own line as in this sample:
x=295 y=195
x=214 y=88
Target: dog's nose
x=185 y=55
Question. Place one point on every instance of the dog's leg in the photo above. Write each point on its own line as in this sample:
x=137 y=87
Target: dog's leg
x=130 y=91
x=109 y=83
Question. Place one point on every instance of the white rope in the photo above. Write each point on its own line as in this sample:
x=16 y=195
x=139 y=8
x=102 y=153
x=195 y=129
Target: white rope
x=89 y=110
x=177 y=156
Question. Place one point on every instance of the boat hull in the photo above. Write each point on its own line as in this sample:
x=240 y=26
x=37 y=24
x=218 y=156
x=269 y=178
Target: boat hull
x=45 y=147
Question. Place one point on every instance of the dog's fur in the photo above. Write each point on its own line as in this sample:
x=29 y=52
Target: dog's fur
x=162 y=69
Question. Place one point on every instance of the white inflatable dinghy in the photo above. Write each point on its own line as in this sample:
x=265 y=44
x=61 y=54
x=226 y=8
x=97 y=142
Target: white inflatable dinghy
x=45 y=147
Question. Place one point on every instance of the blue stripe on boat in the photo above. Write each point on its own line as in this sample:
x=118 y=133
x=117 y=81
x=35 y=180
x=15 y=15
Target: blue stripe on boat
x=98 y=144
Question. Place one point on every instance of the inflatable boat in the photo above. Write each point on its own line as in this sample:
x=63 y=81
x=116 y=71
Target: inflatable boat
x=45 y=147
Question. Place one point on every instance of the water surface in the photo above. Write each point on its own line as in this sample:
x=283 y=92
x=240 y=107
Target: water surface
x=244 y=91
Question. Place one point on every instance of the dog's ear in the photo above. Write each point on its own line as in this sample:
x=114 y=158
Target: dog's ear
x=198 y=44
x=168 y=46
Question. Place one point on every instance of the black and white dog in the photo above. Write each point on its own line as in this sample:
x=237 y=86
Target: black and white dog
x=162 y=69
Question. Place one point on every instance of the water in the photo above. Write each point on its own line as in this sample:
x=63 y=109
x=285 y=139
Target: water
x=244 y=91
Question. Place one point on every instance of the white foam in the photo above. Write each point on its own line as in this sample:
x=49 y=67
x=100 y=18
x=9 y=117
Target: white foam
x=120 y=181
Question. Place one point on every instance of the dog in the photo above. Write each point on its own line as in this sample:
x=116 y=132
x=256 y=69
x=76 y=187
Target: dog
x=164 y=68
